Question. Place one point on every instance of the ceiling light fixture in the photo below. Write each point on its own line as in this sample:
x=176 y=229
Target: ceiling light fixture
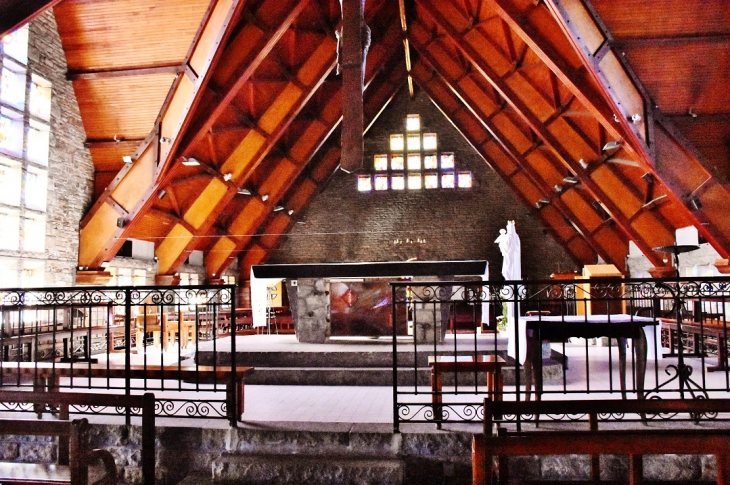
x=265 y=197
x=164 y=139
x=612 y=145
x=291 y=211
x=244 y=191
x=190 y=162
x=127 y=159
x=558 y=188
x=162 y=193
x=278 y=208
x=583 y=163
x=571 y=180
x=228 y=176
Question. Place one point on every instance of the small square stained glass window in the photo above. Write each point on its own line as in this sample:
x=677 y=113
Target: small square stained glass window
x=414 y=161
x=414 y=142
x=413 y=123
x=15 y=44
x=396 y=143
x=398 y=182
x=430 y=162
x=414 y=181
x=447 y=161
x=396 y=162
x=364 y=183
x=381 y=162
x=463 y=180
x=431 y=181
x=447 y=180
x=381 y=182
x=429 y=141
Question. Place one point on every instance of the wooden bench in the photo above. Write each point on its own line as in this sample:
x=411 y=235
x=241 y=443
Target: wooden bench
x=595 y=443
x=73 y=457
x=494 y=410
x=63 y=400
x=46 y=376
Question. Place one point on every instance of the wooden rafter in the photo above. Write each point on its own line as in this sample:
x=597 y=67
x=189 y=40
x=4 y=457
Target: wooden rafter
x=511 y=151
x=653 y=140
x=101 y=232
x=512 y=98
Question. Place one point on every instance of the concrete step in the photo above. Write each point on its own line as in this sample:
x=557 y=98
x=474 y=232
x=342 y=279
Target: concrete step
x=290 y=469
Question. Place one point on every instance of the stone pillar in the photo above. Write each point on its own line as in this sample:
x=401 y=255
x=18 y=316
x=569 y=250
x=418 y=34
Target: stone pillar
x=312 y=312
x=426 y=317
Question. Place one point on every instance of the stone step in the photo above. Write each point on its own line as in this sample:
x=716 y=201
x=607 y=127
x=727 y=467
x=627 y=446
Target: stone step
x=290 y=469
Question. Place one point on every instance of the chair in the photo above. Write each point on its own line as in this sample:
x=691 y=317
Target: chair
x=145 y=324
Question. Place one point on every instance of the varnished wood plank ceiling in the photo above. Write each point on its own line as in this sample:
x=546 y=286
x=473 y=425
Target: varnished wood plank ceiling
x=538 y=88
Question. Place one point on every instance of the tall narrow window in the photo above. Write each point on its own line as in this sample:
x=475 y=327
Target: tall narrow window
x=10 y=177
x=38 y=140
x=40 y=97
x=9 y=229
x=36 y=188
x=15 y=44
x=34 y=233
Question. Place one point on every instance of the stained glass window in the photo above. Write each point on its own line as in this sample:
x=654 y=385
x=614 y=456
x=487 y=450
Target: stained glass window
x=38 y=139
x=464 y=180
x=40 y=97
x=11 y=132
x=447 y=161
x=12 y=88
x=414 y=181
x=447 y=180
x=413 y=123
x=34 y=233
x=381 y=162
x=364 y=183
x=431 y=181
x=36 y=188
x=414 y=161
x=398 y=182
x=10 y=176
x=414 y=142
x=429 y=141
x=9 y=229
x=396 y=143
x=15 y=44
x=381 y=182
x=430 y=162
x=396 y=162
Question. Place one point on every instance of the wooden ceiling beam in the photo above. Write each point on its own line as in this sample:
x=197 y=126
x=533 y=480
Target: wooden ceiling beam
x=537 y=126
x=100 y=235
x=511 y=151
x=16 y=13
x=475 y=144
x=668 y=156
x=128 y=143
x=134 y=71
x=382 y=54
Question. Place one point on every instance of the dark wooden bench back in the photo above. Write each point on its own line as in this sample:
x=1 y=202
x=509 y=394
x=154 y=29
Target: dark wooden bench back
x=594 y=408
x=632 y=443
x=146 y=403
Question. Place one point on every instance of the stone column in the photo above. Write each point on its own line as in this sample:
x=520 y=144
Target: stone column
x=312 y=311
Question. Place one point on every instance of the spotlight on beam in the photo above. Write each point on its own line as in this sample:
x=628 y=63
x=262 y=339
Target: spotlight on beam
x=695 y=203
x=162 y=193
x=244 y=191
x=278 y=208
x=127 y=159
x=583 y=164
x=291 y=211
x=190 y=162
x=228 y=176
x=571 y=180
x=265 y=197
x=612 y=145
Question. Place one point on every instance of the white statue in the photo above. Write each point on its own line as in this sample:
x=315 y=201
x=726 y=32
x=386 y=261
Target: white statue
x=509 y=245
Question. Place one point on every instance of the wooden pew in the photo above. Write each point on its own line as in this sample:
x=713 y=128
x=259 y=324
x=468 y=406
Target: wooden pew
x=632 y=443
x=73 y=466
x=494 y=410
x=46 y=376
x=62 y=400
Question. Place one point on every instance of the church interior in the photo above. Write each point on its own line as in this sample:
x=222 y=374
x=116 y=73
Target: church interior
x=365 y=241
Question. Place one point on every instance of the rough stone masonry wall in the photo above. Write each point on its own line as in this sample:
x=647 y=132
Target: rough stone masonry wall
x=70 y=169
x=344 y=225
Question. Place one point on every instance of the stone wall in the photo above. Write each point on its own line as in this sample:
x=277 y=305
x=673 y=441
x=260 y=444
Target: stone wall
x=70 y=169
x=344 y=225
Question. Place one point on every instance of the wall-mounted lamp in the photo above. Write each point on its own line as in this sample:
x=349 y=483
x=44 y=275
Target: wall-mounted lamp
x=244 y=191
x=265 y=197
x=278 y=208
x=612 y=145
x=190 y=162
x=127 y=159
x=162 y=193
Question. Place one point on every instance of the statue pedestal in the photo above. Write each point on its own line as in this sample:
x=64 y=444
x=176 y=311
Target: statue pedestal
x=313 y=310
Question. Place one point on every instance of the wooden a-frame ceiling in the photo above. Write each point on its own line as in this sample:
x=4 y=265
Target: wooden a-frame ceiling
x=606 y=118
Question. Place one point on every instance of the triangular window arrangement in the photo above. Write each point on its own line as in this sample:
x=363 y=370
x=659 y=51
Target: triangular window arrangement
x=413 y=162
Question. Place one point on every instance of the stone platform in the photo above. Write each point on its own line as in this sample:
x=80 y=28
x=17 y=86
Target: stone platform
x=281 y=360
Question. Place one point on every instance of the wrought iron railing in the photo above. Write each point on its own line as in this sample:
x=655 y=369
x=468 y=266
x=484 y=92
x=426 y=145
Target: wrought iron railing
x=609 y=338
x=123 y=340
